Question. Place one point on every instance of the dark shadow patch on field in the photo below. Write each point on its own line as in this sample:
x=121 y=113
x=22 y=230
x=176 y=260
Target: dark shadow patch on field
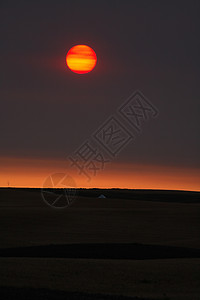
x=24 y=293
x=102 y=251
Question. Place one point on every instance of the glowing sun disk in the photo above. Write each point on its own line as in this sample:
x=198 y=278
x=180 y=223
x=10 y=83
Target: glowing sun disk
x=81 y=59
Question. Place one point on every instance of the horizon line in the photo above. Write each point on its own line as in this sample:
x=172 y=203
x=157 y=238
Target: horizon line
x=92 y=188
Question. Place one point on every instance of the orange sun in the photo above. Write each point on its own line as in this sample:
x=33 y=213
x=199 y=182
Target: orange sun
x=81 y=59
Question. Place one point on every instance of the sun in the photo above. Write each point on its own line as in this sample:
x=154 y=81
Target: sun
x=81 y=59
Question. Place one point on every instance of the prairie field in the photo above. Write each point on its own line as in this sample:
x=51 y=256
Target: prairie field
x=135 y=247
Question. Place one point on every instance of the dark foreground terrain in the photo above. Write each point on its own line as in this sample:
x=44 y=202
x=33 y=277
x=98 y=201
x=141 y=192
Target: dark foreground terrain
x=131 y=245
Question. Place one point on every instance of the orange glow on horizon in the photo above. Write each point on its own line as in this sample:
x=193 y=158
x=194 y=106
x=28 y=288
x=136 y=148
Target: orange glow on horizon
x=20 y=172
x=81 y=59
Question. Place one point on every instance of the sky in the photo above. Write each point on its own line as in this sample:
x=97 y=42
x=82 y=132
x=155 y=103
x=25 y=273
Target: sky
x=48 y=112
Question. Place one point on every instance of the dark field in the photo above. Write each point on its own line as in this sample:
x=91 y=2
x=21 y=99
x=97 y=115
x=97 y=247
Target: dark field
x=131 y=245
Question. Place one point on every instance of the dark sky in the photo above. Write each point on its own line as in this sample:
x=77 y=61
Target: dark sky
x=151 y=46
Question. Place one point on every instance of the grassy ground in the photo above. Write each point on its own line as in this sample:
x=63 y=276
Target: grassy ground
x=165 y=278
